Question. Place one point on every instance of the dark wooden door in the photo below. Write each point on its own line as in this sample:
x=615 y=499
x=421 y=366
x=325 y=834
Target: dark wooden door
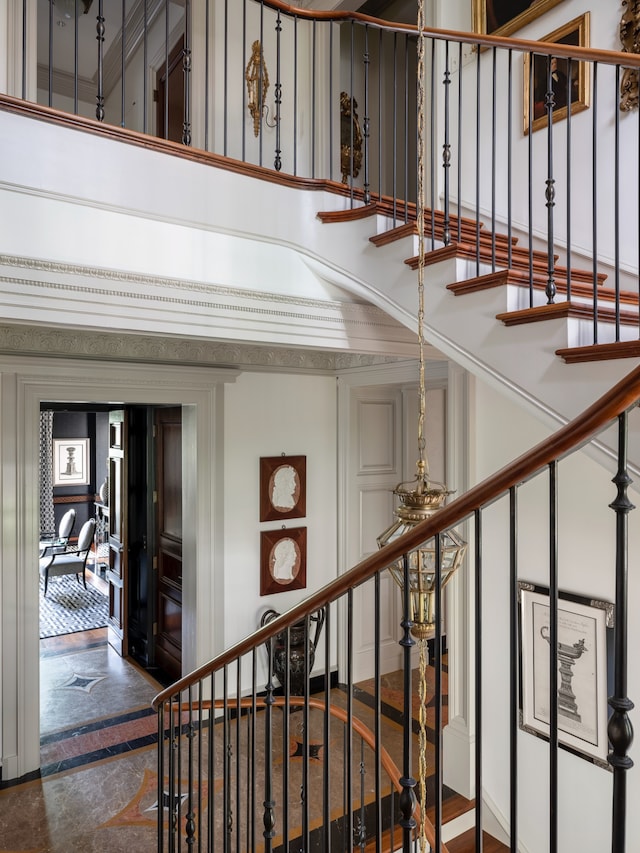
x=170 y=115
x=117 y=571
x=168 y=637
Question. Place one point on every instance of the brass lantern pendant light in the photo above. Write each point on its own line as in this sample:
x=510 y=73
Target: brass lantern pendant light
x=421 y=497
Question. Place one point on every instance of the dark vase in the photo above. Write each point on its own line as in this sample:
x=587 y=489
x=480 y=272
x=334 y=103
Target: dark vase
x=301 y=654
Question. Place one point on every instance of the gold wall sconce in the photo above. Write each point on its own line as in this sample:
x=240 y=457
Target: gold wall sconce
x=630 y=38
x=257 y=78
x=350 y=134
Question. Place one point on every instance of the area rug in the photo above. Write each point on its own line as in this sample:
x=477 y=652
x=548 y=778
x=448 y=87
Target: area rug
x=69 y=607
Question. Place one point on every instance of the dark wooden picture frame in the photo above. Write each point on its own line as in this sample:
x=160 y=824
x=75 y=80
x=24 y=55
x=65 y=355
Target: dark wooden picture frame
x=502 y=17
x=585 y=677
x=283 y=487
x=570 y=79
x=283 y=560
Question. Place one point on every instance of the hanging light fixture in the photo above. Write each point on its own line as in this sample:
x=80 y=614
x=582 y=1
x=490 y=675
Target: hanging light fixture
x=422 y=497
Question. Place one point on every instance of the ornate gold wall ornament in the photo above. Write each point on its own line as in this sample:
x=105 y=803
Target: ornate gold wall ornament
x=350 y=132
x=257 y=84
x=630 y=38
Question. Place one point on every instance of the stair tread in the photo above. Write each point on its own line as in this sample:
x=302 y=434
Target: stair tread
x=566 y=309
x=466 y=843
x=600 y=352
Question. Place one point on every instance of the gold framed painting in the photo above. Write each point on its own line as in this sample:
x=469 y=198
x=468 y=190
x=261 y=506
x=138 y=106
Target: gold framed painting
x=503 y=17
x=569 y=78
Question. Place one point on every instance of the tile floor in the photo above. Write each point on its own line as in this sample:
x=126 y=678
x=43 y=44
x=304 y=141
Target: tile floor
x=96 y=790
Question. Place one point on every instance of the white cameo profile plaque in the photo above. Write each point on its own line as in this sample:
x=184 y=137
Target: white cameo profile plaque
x=283 y=487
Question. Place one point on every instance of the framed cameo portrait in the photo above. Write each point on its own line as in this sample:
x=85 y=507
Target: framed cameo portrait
x=283 y=560
x=283 y=487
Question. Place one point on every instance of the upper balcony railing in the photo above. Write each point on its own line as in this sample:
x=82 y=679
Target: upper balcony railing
x=531 y=147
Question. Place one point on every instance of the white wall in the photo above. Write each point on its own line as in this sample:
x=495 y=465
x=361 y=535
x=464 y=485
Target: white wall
x=586 y=567
x=267 y=415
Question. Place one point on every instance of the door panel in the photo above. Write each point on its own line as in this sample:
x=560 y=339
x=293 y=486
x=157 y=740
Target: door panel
x=117 y=571
x=168 y=639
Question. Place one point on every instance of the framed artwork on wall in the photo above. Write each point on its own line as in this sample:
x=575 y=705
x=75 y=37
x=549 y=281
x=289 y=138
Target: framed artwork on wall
x=585 y=673
x=503 y=17
x=283 y=487
x=70 y=461
x=283 y=560
x=569 y=78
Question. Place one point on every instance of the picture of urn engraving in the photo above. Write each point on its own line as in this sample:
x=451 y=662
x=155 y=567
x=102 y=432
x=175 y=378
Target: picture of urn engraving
x=567 y=655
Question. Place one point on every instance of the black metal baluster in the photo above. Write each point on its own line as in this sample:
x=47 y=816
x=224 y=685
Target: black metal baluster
x=225 y=108
x=190 y=823
x=161 y=771
x=616 y=214
x=378 y=714
x=50 y=82
x=594 y=200
x=459 y=145
x=286 y=734
x=550 y=192
x=269 y=817
x=380 y=66
x=186 y=69
x=277 y=163
x=407 y=782
x=620 y=729
x=207 y=63
x=366 y=119
x=100 y=40
x=494 y=71
x=253 y=800
x=211 y=769
x=326 y=788
x=406 y=129
x=394 y=158
x=244 y=88
x=360 y=836
x=553 y=657
x=227 y=816
x=261 y=104
x=348 y=755
x=509 y=157
x=24 y=50
x=478 y=680
x=568 y=169
x=75 y=57
x=200 y=774
x=530 y=181
x=438 y=697
x=313 y=103
x=165 y=104
x=123 y=43
x=352 y=107
x=295 y=95
x=432 y=143
x=331 y=107
x=305 y=741
x=174 y=769
x=446 y=148
x=145 y=49
x=513 y=665
x=478 y=161
x=239 y=750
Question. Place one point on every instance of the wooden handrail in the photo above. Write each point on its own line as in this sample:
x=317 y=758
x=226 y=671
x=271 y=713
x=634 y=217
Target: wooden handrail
x=570 y=437
x=357 y=725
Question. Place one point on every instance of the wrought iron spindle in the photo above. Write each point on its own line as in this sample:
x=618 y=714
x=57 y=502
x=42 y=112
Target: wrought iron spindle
x=494 y=120
x=145 y=64
x=616 y=205
x=186 y=69
x=75 y=56
x=594 y=200
x=509 y=157
x=269 y=805
x=478 y=679
x=161 y=772
x=531 y=59
x=477 y=211
x=366 y=119
x=432 y=142
x=295 y=95
x=550 y=192
x=313 y=100
x=553 y=657
x=348 y=755
x=514 y=642
x=244 y=88
x=568 y=168
x=438 y=696
x=239 y=751
x=446 y=148
x=286 y=735
x=50 y=78
x=277 y=163
x=377 y=674
x=190 y=824
x=100 y=40
x=407 y=782
x=459 y=143
x=620 y=729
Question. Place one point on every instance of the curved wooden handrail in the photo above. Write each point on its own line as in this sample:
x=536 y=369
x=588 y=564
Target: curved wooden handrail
x=572 y=436
x=357 y=725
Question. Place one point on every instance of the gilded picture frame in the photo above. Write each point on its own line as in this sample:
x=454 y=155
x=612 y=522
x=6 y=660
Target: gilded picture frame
x=570 y=78
x=585 y=669
x=283 y=487
x=283 y=560
x=503 y=17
